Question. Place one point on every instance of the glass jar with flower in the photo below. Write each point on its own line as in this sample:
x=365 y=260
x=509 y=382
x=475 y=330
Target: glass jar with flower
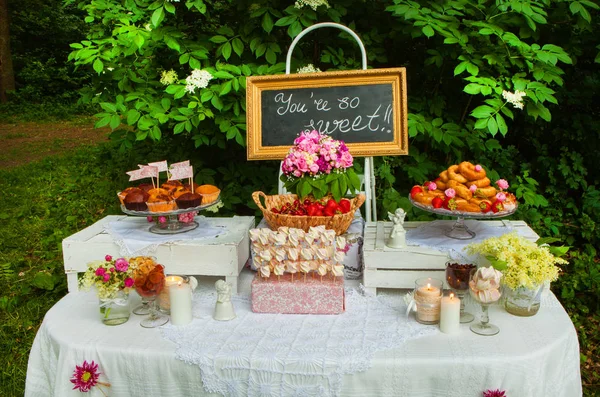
x=113 y=280
x=527 y=267
x=318 y=165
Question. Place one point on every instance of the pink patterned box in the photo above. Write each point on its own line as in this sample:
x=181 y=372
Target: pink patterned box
x=313 y=296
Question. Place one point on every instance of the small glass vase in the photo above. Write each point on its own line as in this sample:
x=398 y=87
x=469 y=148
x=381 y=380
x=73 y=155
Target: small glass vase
x=524 y=302
x=115 y=310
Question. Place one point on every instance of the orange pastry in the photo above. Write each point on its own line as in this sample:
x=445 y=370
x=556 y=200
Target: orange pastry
x=209 y=193
x=161 y=203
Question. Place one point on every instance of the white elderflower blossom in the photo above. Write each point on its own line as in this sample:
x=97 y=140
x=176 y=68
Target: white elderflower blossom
x=308 y=69
x=198 y=79
x=516 y=98
x=148 y=27
x=314 y=4
x=169 y=77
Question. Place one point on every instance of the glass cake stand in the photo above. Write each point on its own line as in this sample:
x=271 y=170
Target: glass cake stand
x=459 y=229
x=173 y=224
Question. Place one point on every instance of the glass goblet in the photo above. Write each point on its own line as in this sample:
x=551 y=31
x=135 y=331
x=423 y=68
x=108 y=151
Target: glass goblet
x=483 y=327
x=148 y=286
x=457 y=277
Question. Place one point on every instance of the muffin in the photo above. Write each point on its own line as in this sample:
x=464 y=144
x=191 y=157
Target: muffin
x=209 y=193
x=125 y=192
x=191 y=188
x=161 y=203
x=158 y=192
x=180 y=191
x=136 y=201
x=171 y=186
x=189 y=200
x=146 y=187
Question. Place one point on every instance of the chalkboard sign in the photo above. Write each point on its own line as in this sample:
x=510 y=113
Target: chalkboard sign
x=365 y=109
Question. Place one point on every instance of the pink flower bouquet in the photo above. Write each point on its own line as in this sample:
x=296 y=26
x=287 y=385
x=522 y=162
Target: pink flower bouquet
x=108 y=276
x=318 y=165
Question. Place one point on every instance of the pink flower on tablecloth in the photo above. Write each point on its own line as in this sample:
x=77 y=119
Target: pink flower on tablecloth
x=121 y=265
x=502 y=184
x=450 y=193
x=106 y=277
x=85 y=376
x=129 y=282
x=108 y=258
x=100 y=271
x=494 y=393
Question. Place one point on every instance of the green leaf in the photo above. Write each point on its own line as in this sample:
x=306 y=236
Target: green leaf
x=157 y=16
x=472 y=89
x=238 y=46
x=178 y=128
x=473 y=69
x=270 y=56
x=165 y=103
x=132 y=116
x=218 y=39
x=501 y=124
x=482 y=111
x=206 y=95
x=303 y=188
x=184 y=58
x=216 y=102
x=226 y=50
x=195 y=64
x=109 y=107
x=169 y=8
x=428 y=31
x=225 y=88
x=497 y=264
x=43 y=280
x=98 y=66
x=460 y=68
x=103 y=121
x=267 y=22
x=492 y=126
x=115 y=121
x=285 y=21
x=138 y=40
x=492 y=144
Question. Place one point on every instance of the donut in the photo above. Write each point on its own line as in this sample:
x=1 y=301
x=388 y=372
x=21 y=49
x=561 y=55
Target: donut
x=441 y=185
x=454 y=176
x=483 y=182
x=478 y=201
x=482 y=192
x=444 y=176
x=468 y=171
x=425 y=198
x=461 y=190
x=467 y=206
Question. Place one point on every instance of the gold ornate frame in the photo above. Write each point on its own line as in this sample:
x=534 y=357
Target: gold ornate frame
x=394 y=76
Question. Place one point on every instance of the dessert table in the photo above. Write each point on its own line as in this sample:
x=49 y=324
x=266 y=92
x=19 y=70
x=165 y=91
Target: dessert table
x=535 y=356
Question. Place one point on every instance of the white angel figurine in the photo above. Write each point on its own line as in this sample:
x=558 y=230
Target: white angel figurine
x=398 y=235
x=223 y=308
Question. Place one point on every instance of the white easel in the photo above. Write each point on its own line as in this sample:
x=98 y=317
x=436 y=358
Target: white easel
x=369 y=176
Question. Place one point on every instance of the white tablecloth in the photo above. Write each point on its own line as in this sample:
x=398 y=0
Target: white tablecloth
x=535 y=356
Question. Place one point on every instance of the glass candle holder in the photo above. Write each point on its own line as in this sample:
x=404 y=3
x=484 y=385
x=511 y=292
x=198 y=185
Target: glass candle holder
x=428 y=298
x=457 y=277
x=163 y=298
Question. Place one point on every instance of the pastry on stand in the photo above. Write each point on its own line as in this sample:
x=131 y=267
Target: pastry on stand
x=464 y=191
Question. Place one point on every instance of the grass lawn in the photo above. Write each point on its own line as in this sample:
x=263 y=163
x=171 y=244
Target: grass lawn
x=49 y=199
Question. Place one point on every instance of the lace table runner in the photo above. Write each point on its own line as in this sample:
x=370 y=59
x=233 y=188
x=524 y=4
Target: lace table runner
x=431 y=235
x=299 y=355
x=133 y=237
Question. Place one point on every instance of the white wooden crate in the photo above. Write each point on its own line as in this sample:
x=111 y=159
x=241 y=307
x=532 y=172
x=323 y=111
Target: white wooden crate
x=387 y=267
x=224 y=255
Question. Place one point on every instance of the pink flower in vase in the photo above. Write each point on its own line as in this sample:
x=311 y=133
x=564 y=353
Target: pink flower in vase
x=108 y=258
x=100 y=271
x=129 y=282
x=106 y=277
x=121 y=265
x=85 y=376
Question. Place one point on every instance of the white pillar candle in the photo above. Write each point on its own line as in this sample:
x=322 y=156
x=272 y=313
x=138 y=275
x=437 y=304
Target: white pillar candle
x=450 y=314
x=163 y=297
x=180 y=295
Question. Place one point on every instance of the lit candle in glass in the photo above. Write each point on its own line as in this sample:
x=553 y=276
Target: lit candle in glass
x=428 y=294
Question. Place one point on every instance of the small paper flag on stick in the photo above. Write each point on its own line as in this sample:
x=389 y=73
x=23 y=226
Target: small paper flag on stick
x=185 y=163
x=162 y=167
x=181 y=173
